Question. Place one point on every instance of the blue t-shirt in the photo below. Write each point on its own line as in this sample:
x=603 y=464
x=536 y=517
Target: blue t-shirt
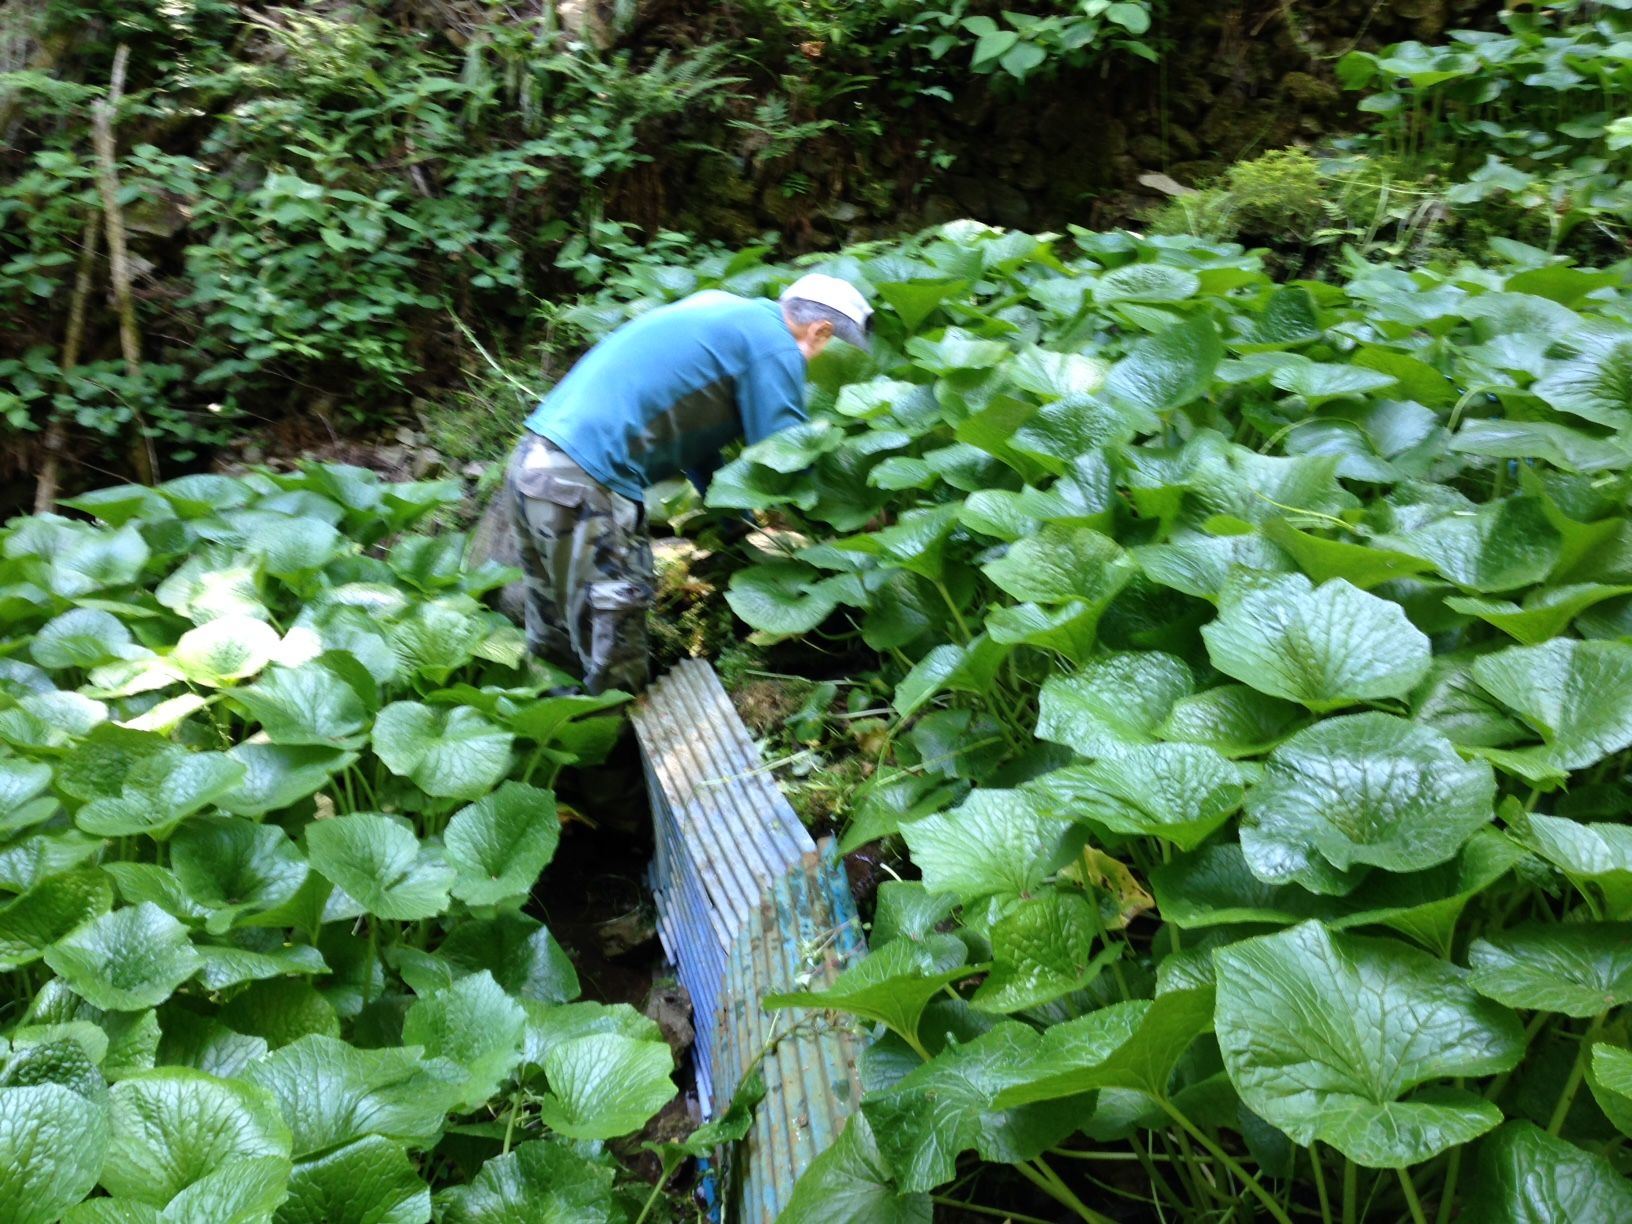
x=665 y=392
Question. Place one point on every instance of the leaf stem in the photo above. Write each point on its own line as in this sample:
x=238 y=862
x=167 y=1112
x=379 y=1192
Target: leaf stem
x=1351 y=1189
x=667 y=1172
x=1411 y=1199
x=510 y=1126
x=1271 y=1204
x=1045 y=1179
x=1320 y=1182
x=1447 y=1192
x=946 y=1200
x=1578 y=1070
x=957 y=615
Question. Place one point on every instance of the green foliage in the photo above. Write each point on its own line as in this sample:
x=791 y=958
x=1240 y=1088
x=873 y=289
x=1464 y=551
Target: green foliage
x=358 y=183
x=1527 y=127
x=924 y=49
x=1258 y=732
x=274 y=792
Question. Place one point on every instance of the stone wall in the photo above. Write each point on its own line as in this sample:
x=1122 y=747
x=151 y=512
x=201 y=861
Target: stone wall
x=1236 y=80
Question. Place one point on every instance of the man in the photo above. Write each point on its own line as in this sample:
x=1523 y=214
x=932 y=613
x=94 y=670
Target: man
x=659 y=397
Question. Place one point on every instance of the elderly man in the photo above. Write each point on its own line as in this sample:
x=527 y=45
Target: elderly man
x=659 y=397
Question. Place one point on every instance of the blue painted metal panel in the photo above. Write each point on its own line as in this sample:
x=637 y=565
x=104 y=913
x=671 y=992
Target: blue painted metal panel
x=748 y=906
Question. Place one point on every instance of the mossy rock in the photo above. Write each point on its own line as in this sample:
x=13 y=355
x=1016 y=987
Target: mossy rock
x=494 y=539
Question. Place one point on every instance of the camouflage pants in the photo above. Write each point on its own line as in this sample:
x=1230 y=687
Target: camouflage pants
x=588 y=566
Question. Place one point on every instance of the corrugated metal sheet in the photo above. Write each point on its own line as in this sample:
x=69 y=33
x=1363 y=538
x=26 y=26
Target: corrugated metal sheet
x=803 y=934
x=748 y=906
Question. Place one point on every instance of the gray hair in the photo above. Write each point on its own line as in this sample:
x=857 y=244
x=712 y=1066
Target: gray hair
x=803 y=311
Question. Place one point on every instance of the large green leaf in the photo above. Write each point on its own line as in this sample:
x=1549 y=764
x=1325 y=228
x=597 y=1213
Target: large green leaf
x=946 y=1107
x=226 y=966
x=1366 y=789
x=1597 y=385
x=83 y=638
x=243 y=1190
x=1543 y=614
x=1113 y=702
x=235 y=868
x=966 y=668
x=1180 y=793
x=172 y=1127
x=1495 y=547
x=472 y=1023
x=436 y=638
x=1600 y=852
x=1327 y=646
x=519 y=952
x=1610 y=1077
x=1577 y=696
x=498 y=845
x=330 y=1093
x=1042 y=949
x=370 y=1181
x=1232 y=718
x=1322 y=559
x=289 y=547
x=1319 y=381
x=381 y=865
x=1526 y=1176
x=850 y=1184
x=915 y=300
x=451 y=752
x=1332 y=1037
x=1131 y=1046
x=58 y=903
x=548 y=1025
x=310 y=704
x=160 y=791
x=1060 y=564
x=605 y=1085
x=1214 y=886
x=1582 y=969
x=225 y=650
x=22 y=784
x=277 y=776
x=97 y=560
x=52 y=1144
x=1573 y=450
x=1169 y=370
x=538 y=1183
x=997 y=842
x=130 y=959
x=892 y=985
x=1146 y=282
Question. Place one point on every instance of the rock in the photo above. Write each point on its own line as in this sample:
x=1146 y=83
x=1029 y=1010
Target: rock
x=627 y=931
x=494 y=539
x=1167 y=186
x=600 y=23
x=668 y=1004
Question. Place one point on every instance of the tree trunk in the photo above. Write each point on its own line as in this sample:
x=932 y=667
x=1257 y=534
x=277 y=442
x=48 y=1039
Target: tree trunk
x=56 y=433
x=142 y=454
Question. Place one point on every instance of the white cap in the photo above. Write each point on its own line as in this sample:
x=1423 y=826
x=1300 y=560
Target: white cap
x=837 y=295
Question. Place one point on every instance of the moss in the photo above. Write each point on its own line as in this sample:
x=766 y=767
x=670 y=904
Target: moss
x=1206 y=214
x=689 y=617
x=1277 y=194
x=766 y=704
x=735 y=663
x=1311 y=93
x=822 y=799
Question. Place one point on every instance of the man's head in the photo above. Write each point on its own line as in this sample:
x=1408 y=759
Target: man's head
x=817 y=308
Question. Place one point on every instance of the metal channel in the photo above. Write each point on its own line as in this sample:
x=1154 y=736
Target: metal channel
x=748 y=906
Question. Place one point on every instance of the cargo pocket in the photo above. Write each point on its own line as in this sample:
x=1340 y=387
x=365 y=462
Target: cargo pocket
x=617 y=648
